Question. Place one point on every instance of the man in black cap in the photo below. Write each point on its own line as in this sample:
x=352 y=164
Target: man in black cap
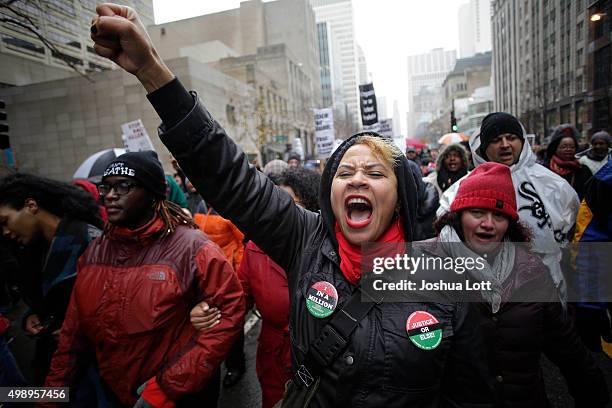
x=501 y=138
x=137 y=283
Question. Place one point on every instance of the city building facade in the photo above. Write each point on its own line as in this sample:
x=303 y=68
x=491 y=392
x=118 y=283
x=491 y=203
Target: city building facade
x=426 y=73
x=474 y=27
x=364 y=76
x=539 y=62
x=64 y=47
x=599 y=66
x=467 y=75
x=339 y=15
x=277 y=39
x=326 y=62
x=58 y=124
x=280 y=102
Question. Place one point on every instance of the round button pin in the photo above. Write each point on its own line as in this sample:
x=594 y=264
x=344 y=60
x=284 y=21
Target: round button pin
x=321 y=299
x=424 y=330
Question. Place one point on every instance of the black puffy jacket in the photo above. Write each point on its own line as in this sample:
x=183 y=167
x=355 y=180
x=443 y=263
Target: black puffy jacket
x=530 y=323
x=381 y=367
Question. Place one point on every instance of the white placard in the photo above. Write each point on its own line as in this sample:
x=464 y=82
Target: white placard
x=324 y=131
x=385 y=127
x=135 y=137
x=297 y=147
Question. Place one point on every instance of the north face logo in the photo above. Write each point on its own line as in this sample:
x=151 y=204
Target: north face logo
x=157 y=276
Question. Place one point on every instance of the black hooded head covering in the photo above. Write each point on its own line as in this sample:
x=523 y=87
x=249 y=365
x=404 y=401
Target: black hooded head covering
x=406 y=189
x=444 y=177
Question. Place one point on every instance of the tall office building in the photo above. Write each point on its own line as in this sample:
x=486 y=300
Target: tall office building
x=599 y=66
x=426 y=73
x=539 y=63
x=242 y=31
x=339 y=15
x=364 y=76
x=25 y=59
x=326 y=62
x=474 y=28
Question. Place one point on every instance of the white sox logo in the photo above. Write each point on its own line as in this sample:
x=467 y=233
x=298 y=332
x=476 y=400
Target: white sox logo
x=537 y=210
x=528 y=192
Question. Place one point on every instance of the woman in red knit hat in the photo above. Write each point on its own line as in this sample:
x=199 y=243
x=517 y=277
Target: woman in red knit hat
x=483 y=221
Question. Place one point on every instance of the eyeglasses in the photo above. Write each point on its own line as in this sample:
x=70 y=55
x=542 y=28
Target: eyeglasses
x=120 y=188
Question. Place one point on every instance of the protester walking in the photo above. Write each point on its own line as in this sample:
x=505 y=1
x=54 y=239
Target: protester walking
x=594 y=224
x=561 y=158
x=599 y=153
x=483 y=221
x=136 y=285
x=58 y=221
x=451 y=165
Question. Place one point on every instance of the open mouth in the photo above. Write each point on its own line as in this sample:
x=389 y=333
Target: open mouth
x=358 y=211
x=485 y=236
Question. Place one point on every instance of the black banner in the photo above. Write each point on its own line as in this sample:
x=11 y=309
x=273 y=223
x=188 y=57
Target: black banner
x=369 y=111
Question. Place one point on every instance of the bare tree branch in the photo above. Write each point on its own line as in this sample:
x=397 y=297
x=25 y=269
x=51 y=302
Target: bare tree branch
x=34 y=30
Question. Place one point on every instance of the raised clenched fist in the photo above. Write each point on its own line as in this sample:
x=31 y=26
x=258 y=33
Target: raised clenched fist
x=119 y=35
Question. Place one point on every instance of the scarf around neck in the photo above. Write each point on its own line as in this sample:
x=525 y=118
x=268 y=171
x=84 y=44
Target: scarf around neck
x=447 y=178
x=496 y=273
x=563 y=167
x=350 y=255
x=591 y=155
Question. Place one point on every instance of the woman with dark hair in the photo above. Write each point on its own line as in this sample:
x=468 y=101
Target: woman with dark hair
x=59 y=221
x=302 y=185
x=483 y=222
x=561 y=158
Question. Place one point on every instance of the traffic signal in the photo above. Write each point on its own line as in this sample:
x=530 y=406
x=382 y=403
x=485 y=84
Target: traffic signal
x=4 y=128
x=454 y=127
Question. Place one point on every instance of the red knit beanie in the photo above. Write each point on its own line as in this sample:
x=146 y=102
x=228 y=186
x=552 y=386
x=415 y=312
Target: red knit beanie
x=488 y=187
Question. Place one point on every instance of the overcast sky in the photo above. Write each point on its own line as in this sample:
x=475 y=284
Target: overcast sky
x=387 y=30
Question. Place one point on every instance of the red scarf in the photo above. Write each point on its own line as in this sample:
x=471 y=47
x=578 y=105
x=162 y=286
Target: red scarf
x=350 y=255
x=563 y=167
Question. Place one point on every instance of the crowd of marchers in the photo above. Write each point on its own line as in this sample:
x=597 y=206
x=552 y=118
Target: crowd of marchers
x=137 y=284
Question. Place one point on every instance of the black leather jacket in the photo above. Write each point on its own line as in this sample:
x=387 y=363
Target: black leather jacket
x=381 y=367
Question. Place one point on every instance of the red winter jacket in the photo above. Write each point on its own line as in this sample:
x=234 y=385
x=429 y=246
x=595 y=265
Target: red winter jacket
x=131 y=303
x=265 y=284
